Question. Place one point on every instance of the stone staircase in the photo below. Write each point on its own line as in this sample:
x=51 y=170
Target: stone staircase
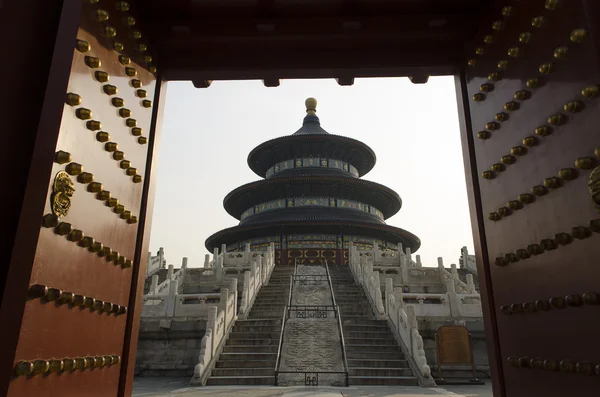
x=250 y=353
x=373 y=355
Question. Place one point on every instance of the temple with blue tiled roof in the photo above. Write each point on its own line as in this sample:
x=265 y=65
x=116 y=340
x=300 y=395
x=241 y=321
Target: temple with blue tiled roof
x=312 y=202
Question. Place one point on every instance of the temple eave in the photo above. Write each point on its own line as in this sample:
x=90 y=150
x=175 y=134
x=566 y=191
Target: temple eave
x=385 y=232
x=371 y=193
x=289 y=147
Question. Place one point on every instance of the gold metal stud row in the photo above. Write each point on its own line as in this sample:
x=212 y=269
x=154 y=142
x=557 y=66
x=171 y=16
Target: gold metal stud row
x=41 y=367
x=85 y=114
x=558 y=303
x=577 y=36
x=530 y=141
x=87 y=178
x=549 y=184
x=566 y=366
x=49 y=294
x=129 y=21
x=549 y=244
x=104 y=137
x=489 y=39
x=77 y=236
x=513 y=52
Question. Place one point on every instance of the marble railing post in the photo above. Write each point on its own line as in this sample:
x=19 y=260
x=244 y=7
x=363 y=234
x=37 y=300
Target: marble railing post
x=223 y=302
x=233 y=288
x=408 y=257
x=170 y=272
x=219 y=269
x=389 y=289
x=223 y=249
x=154 y=285
x=206 y=261
x=453 y=271
x=211 y=324
x=378 y=295
x=419 y=264
x=215 y=256
x=399 y=294
x=453 y=299
x=148 y=267
x=161 y=258
x=172 y=298
x=261 y=268
x=403 y=269
x=470 y=284
x=245 y=293
x=246 y=255
x=441 y=270
x=184 y=262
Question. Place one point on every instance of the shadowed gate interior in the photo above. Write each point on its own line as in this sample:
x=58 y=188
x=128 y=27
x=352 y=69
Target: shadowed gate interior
x=81 y=111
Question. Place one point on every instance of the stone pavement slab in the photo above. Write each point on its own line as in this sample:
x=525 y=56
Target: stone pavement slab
x=178 y=387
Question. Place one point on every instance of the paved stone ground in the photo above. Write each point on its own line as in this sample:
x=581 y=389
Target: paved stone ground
x=178 y=387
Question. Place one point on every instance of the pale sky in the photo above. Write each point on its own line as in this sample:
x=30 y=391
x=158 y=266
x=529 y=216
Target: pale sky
x=208 y=133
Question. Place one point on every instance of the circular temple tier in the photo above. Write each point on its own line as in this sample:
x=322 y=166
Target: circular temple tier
x=312 y=202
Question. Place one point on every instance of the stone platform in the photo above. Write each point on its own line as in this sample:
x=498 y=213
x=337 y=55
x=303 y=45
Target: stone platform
x=178 y=387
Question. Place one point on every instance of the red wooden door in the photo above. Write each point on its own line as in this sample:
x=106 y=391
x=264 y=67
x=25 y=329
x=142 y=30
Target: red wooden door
x=530 y=131
x=78 y=302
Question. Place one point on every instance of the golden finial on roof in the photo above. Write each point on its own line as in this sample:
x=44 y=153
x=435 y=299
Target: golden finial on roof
x=311 y=105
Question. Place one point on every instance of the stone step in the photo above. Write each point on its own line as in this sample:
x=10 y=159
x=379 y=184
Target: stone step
x=389 y=340
x=274 y=293
x=260 y=314
x=356 y=307
x=390 y=347
x=259 y=322
x=251 y=348
x=281 y=302
x=383 y=380
x=368 y=371
x=244 y=371
x=246 y=364
x=367 y=321
x=355 y=314
x=239 y=356
x=267 y=305
x=373 y=355
x=241 y=380
x=255 y=329
x=346 y=314
x=267 y=341
x=377 y=363
x=365 y=312
x=367 y=334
